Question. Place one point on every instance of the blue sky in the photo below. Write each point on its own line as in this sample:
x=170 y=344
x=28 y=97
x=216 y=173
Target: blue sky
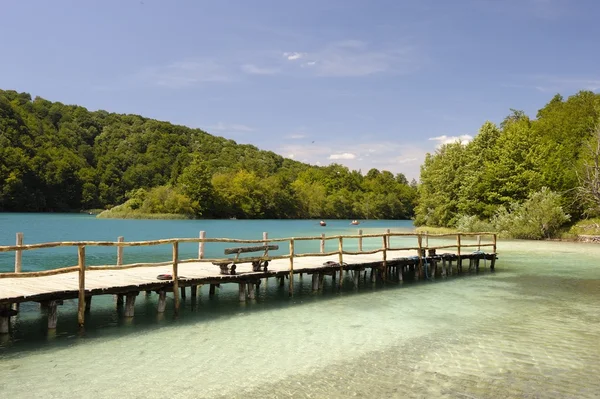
x=363 y=83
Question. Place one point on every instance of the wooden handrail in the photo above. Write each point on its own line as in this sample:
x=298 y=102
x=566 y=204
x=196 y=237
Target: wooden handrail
x=175 y=242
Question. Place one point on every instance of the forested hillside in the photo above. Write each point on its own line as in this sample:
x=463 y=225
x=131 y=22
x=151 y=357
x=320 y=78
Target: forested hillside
x=542 y=172
x=56 y=157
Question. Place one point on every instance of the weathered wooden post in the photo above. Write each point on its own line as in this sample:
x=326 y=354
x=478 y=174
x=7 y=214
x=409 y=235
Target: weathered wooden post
x=291 y=284
x=202 y=236
x=81 y=299
x=315 y=281
x=175 y=276
x=388 y=232
x=360 y=240
x=53 y=313
x=211 y=290
x=18 y=261
x=130 y=303
x=266 y=241
x=426 y=239
x=493 y=260
x=19 y=254
x=322 y=243
x=420 y=267
x=341 y=259
x=5 y=313
x=242 y=291
x=459 y=260
x=478 y=242
x=162 y=301
x=120 y=251
x=251 y=290
x=385 y=246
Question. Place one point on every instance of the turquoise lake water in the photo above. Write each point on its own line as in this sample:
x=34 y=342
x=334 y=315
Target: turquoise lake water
x=531 y=329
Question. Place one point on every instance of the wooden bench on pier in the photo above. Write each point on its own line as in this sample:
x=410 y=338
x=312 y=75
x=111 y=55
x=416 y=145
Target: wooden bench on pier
x=230 y=266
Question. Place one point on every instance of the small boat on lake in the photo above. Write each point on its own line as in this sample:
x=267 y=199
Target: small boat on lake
x=355 y=222
x=322 y=223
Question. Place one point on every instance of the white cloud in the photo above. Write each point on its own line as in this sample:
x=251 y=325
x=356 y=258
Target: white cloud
x=186 y=73
x=352 y=58
x=296 y=136
x=385 y=155
x=290 y=156
x=230 y=127
x=255 y=70
x=292 y=56
x=345 y=155
x=463 y=139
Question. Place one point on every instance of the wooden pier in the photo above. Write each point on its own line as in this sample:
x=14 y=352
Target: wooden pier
x=385 y=264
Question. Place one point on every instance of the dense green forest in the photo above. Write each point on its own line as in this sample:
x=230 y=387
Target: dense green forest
x=56 y=157
x=527 y=177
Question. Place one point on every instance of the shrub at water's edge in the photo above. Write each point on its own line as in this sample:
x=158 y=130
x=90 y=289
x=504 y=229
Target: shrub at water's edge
x=158 y=203
x=528 y=178
x=539 y=217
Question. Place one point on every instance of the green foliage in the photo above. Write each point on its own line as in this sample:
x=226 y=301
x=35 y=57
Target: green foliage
x=505 y=165
x=56 y=157
x=161 y=200
x=540 y=216
x=473 y=224
x=589 y=227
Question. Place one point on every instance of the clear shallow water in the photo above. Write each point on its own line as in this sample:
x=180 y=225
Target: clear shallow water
x=532 y=329
x=39 y=228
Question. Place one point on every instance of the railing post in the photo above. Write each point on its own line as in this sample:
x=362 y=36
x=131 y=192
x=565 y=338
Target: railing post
x=495 y=241
x=291 y=277
x=388 y=231
x=201 y=245
x=81 y=299
x=478 y=242
x=175 y=277
x=385 y=247
x=266 y=242
x=360 y=240
x=459 y=261
x=18 y=262
x=19 y=254
x=341 y=259
x=420 y=242
x=426 y=239
x=120 y=251
x=322 y=243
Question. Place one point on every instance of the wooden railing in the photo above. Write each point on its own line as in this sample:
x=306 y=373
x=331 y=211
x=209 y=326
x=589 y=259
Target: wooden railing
x=120 y=244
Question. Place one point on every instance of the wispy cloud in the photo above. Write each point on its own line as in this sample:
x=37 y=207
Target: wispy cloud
x=296 y=136
x=186 y=73
x=462 y=139
x=352 y=58
x=293 y=55
x=384 y=155
x=345 y=155
x=230 y=127
x=559 y=84
x=256 y=70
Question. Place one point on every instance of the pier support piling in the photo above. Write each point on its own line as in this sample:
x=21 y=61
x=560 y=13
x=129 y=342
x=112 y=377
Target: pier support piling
x=5 y=318
x=242 y=291
x=53 y=314
x=130 y=303
x=162 y=301
x=315 y=282
x=88 y=303
x=211 y=290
